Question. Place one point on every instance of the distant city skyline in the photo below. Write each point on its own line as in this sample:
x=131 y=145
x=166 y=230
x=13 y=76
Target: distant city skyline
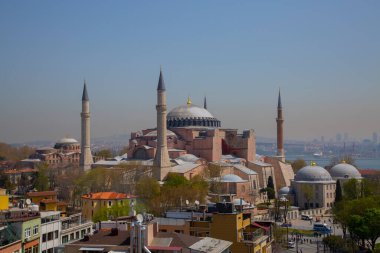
x=324 y=55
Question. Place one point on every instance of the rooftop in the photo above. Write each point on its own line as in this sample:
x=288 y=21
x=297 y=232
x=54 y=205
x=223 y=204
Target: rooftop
x=41 y=194
x=107 y=195
x=105 y=237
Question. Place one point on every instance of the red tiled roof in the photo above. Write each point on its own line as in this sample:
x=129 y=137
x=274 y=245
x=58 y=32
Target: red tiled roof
x=41 y=194
x=107 y=195
x=369 y=172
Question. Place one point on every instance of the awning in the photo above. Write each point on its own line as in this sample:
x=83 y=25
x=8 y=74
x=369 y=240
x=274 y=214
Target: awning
x=91 y=249
x=260 y=226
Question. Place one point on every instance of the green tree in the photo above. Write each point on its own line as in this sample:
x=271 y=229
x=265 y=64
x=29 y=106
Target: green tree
x=307 y=191
x=113 y=212
x=270 y=188
x=42 y=181
x=338 y=192
x=351 y=189
x=298 y=164
x=334 y=242
x=366 y=227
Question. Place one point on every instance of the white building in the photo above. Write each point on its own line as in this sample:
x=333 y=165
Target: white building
x=50 y=231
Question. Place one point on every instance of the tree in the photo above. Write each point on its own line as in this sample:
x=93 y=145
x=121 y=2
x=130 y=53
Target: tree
x=334 y=242
x=270 y=188
x=307 y=191
x=342 y=212
x=42 y=182
x=351 y=189
x=105 y=153
x=366 y=227
x=113 y=212
x=7 y=152
x=298 y=164
x=338 y=192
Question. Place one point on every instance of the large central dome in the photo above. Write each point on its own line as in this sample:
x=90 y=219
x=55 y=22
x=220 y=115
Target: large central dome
x=191 y=115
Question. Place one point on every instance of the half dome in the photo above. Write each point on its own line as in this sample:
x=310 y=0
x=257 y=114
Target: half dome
x=232 y=178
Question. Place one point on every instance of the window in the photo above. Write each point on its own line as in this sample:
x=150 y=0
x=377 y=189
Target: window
x=82 y=232
x=27 y=233
x=77 y=235
x=44 y=238
x=88 y=230
x=110 y=203
x=65 y=239
x=35 y=230
x=71 y=236
x=56 y=234
x=35 y=249
x=50 y=236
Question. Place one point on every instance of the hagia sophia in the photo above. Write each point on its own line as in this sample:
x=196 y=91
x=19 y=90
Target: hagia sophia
x=188 y=139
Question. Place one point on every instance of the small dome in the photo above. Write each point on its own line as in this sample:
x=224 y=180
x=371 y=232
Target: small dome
x=284 y=191
x=344 y=171
x=67 y=141
x=154 y=133
x=190 y=158
x=312 y=174
x=232 y=178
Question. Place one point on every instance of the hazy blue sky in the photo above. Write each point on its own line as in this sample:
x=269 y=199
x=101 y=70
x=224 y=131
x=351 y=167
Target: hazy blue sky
x=325 y=56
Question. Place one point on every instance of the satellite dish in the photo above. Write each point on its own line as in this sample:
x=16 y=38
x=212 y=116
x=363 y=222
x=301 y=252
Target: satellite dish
x=28 y=201
x=196 y=202
x=187 y=202
x=139 y=218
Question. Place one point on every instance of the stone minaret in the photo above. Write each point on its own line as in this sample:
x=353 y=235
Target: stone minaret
x=161 y=161
x=85 y=156
x=280 y=132
x=205 y=103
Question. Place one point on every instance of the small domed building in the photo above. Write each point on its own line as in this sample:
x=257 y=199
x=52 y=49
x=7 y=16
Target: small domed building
x=66 y=151
x=344 y=172
x=313 y=187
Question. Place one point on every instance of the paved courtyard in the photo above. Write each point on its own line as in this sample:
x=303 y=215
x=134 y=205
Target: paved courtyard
x=307 y=244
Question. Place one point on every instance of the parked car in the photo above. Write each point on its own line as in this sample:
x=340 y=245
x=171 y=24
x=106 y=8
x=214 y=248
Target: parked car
x=291 y=244
x=306 y=217
x=286 y=224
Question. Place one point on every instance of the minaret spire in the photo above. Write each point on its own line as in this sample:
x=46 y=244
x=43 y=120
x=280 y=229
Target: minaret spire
x=205 y=103
x=280 y=132
x=85 y=156
x=161 y=160
x=161 y=83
